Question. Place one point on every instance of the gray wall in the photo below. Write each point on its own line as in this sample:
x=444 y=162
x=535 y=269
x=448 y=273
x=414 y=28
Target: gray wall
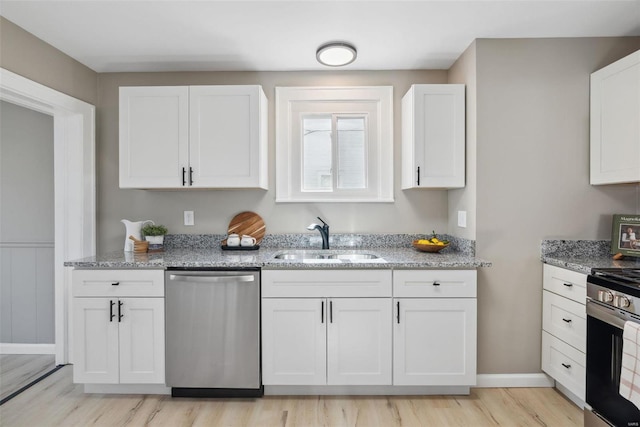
x=25 y=54
x=533 y=180
x=414 y=211
x=26 y=226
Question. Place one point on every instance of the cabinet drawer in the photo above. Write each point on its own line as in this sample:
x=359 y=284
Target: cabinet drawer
x=326 y=283
x=565 y=319
x=435 y=283
x=564 y=363
x=569 y=284
x=118 y=283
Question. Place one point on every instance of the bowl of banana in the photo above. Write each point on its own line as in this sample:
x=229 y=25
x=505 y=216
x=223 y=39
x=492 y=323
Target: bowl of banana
x=430 y=245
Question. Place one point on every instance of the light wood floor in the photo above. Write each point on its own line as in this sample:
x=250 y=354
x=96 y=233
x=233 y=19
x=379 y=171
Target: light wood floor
x=18 y=370
x=56 y=401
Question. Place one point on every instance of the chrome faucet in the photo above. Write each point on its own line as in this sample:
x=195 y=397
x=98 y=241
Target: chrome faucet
x=324 y=232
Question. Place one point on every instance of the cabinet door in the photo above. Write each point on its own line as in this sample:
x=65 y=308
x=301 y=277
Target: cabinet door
x=154 y=136
x=294 y=341
x=359 y=341
x=434 y=341
x=228 y=136
x=141 y=340
x=433 y=137
x=615 y=128
x=95 y=325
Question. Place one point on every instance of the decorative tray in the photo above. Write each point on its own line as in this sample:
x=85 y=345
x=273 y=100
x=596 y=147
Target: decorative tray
x=240 y=248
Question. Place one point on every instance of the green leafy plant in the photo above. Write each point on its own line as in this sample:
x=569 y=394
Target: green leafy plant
x=154 y=230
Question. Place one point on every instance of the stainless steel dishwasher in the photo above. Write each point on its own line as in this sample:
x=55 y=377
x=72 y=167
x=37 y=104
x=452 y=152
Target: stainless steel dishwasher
x=212 y=323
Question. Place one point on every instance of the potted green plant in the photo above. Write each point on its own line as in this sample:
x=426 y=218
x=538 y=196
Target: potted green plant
x=154 y=234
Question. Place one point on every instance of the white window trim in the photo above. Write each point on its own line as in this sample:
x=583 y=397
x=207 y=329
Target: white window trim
x=286 y=167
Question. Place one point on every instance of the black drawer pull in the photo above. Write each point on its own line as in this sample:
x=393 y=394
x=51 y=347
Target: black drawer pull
x=115 y=283
x=322 y=312
x=330 y=311
x=436 y=284
x=568 y=285
x=398 y=313
x=566 y=366
x=566 y=320
x=120 y=315
x=111 y=315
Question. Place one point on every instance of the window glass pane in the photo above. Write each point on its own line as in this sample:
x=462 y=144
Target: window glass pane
x=316 y=153
x=351 y=152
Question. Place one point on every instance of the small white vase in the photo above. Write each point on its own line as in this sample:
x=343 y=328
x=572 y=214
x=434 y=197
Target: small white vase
x=155 y=240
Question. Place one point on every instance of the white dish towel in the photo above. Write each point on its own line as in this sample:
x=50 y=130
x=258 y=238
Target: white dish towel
x=630 y=374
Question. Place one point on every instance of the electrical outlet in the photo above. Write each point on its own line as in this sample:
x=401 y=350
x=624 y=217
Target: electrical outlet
x=462 y=219
x=188 y=218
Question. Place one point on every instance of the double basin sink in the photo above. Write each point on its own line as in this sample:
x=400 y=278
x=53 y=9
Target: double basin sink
x=304 y=255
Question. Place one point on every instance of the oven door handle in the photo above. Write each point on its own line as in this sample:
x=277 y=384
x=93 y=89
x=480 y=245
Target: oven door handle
x=608 y=316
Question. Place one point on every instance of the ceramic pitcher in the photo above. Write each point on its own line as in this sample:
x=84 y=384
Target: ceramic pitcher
x=133 y=228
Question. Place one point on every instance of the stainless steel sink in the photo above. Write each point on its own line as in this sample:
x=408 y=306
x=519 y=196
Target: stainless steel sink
x=353 y=256
x=304 y=254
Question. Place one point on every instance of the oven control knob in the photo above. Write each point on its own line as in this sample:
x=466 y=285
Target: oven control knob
x=621 y=301
x=605 y=296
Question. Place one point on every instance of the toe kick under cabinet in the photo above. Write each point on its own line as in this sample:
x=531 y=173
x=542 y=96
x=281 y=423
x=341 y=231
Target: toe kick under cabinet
x=369 y=328
x=118 y=326
x=564 y=327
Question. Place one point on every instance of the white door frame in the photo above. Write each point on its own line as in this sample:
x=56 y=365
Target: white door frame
x=74 y=187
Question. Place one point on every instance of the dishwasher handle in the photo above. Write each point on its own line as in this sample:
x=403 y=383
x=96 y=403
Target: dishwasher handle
x=211 y=279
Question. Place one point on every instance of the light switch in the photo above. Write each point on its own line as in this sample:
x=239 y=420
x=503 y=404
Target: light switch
x=462 y=219
x=188 y=218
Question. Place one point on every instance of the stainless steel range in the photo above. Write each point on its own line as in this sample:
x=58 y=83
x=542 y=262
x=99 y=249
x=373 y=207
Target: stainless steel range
x=613 y=298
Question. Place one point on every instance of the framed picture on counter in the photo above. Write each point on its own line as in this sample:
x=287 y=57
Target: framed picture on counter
x=626 y=235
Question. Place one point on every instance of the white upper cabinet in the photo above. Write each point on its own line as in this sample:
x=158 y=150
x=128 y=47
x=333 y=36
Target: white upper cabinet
x=193 y=137
x=615 y=122
x=433 y=136
x=154 y=136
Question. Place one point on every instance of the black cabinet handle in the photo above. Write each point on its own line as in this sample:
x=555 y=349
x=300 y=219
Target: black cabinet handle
x=398 y=312
x=190 y=176
x=111 y=315
x=418 y=176
x=322 y=312
x=436 y=284
x=120 y=315
x=115 y=283
x=566 y=366
x=184 y=177
x=330 y=311
x=566 y=320
x=568 y=285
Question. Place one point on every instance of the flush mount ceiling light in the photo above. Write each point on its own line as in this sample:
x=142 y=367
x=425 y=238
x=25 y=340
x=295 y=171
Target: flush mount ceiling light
x=336 y=54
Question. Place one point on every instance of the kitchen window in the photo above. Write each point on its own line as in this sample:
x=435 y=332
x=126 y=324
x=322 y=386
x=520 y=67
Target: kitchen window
x=334 y=144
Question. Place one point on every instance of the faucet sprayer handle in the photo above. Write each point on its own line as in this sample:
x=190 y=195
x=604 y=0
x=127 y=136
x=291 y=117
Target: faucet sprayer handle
x=321 y=220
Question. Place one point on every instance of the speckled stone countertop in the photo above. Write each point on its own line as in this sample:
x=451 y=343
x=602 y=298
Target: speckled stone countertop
x=583 y=255
x=204 y=251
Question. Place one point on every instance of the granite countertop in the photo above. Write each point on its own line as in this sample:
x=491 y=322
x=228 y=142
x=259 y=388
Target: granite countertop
x=204 y=251
x=583 y=255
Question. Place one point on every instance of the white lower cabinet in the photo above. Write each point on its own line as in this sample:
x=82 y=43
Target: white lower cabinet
x=118 y=340
x=564 y=329
x=343 y=328
x=326 y=341
x=322 y=332
x=434 y=341
x=435 y=331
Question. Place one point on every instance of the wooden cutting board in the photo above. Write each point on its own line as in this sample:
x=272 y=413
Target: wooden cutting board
x=248 y=223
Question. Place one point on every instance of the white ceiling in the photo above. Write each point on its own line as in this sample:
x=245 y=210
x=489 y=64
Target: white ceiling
x=148 y=35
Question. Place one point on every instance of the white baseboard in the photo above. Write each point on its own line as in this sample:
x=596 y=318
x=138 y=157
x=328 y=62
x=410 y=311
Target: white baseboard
x=127 y=388
x=513 y=380
x=10 y=348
